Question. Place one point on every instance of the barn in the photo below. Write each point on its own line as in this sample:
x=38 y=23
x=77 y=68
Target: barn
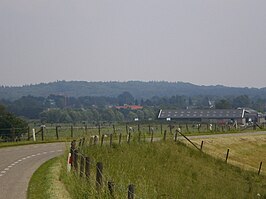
x=241 y=115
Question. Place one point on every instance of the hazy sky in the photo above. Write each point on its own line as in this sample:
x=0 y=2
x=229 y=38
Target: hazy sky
x=205 y=42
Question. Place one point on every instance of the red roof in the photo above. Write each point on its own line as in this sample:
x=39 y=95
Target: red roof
x=132 y=107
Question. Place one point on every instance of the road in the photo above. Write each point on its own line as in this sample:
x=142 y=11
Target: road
x=17 y=164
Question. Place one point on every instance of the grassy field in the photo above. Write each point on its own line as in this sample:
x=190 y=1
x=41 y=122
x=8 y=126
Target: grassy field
x=245 y=151
x=164 y=170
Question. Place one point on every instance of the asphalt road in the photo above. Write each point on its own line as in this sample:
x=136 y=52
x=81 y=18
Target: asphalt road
x=17 y=164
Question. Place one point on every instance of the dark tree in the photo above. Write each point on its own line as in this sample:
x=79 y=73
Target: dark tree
x=10 y=125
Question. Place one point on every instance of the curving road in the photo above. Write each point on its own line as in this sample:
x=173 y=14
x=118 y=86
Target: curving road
x=17 y=164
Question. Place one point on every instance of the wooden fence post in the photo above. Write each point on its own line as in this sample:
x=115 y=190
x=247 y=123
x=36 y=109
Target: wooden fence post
x=260 y=168
x=75 y=159
x=161 y=129
x=139 y=136
x=131 y=191
x=176 y=135
x=151 y=135
x=28 y=133
x=56 y=132
x=227 y=154
x=81 y=166
x=71 y=130
x=129 y=137
x=83 y=141
x=99 y=176
x=164 y=135
x=126 y=129
x=42 y=132
x=201 y=146
x=114 y=129
x=99 y=130
x=87 y=167
x=111 y=187
x=102 y=139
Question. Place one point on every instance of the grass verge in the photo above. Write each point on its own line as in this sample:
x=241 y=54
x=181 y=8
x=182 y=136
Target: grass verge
x=45 y=182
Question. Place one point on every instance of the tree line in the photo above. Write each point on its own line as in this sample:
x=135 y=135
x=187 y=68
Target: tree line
x=60 y=108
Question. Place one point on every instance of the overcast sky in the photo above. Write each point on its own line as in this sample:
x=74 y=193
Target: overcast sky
x=205 y=42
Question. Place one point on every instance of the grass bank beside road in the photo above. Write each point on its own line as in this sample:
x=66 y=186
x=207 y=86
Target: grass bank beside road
x=163 y=170
x=45 y=182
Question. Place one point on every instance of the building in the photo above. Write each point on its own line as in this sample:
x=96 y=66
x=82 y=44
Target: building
x=131 y=107
x=241 y=115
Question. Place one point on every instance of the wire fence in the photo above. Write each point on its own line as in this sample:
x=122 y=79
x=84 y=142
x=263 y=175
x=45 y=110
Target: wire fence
x=101 y=181
x=81 y=165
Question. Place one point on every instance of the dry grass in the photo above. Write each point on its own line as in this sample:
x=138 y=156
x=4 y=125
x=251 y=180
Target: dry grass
x=245 y=151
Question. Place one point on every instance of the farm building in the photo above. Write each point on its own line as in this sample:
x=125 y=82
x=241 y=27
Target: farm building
x=241 y=116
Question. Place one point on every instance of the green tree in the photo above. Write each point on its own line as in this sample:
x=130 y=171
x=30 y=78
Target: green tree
x=223 y=104
x=242 y=101
x=125 y=98
x=11 y=125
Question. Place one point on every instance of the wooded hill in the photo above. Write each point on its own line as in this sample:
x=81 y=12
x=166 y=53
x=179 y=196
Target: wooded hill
x=140 y=90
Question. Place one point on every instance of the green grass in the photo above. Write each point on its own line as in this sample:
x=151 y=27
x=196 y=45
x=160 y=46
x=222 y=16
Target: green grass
x=40 y=182
x=164 y=170
x=45 y=182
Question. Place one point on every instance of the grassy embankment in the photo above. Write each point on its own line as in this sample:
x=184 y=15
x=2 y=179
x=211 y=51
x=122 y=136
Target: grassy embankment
x=45 y=182
x=164 y=170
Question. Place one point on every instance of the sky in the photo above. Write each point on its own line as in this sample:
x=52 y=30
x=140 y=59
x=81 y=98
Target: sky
x=204 y=42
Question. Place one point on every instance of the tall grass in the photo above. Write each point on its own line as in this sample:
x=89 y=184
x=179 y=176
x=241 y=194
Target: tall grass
x=164 y=170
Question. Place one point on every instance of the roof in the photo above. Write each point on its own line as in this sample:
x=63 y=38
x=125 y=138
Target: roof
x=202 y=114
x=132 y=107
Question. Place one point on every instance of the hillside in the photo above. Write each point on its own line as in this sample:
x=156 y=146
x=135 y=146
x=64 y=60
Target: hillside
x=137 y=88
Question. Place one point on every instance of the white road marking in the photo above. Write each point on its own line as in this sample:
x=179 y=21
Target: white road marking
x=3 y=172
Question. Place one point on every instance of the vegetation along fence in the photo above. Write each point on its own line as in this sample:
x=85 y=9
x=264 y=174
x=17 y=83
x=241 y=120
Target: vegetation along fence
x=82 y=165
x=63 y=131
